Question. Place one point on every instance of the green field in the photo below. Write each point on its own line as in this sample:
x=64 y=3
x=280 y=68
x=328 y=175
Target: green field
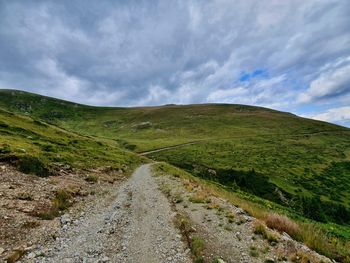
x=40 y=148
x=295 y=162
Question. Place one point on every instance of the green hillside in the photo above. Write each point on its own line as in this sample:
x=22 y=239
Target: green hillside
x=296 y=162
x=41 y=148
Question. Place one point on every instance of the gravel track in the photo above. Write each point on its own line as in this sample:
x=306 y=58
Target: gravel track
x=134 y=225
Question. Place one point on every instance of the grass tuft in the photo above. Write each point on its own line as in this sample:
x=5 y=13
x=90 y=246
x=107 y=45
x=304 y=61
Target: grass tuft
x=261 y=229
x=91 y=178
x=199 y=197
x=197 y=246
x=15 y=256
x=282 y=224
x=59 y=203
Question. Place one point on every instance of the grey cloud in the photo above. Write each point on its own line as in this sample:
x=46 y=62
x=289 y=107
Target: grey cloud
x=156 y=52
x=333 y=82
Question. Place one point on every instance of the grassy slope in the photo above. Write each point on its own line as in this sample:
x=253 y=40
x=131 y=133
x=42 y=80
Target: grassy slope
x=298 y=156
x=314 y=235
x=22 y=137
x=169 y=125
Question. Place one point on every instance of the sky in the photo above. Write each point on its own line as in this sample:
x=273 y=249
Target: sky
x=289 y=55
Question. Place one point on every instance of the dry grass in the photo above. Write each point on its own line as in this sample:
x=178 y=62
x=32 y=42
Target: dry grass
x=282 y=224
x=261 y=229
x=183 y=223
x=45 y=212
x=15 y=256
x=230 y=217
x=178 y=198
x=30 y=224
x=199 y=197
x=302 y=257
x=195 y=243
x=212 y=205
x=60 y=202
x=310 y=234
x=189 y=185
x=166 y=189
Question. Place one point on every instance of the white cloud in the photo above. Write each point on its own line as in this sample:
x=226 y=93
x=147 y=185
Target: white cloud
x=226 y=95
x=331 y=83
x=341 y=114
x=268 y=83
x=52 y=74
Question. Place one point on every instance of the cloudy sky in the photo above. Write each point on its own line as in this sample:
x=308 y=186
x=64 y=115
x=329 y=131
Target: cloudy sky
x=291 y=55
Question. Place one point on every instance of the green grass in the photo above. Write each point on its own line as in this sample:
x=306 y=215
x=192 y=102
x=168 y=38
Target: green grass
x=271 y=158
x=38 y=148
x=167 y=125
x=271 y=154
x=292 y=171
x=275 y=155
x=331 y=240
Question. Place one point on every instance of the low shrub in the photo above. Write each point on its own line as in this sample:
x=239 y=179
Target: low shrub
x=62 y=200
x=178 y=199
x=5 y=149
x=254 y=252
x=32 y=165
x=91 y=178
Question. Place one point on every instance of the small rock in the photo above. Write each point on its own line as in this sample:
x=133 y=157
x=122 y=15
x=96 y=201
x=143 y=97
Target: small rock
x=65 y=219
x=31 y=255
x=248 y=218
x=28 y=248
x=240 y=211
x=105 y=259
x=286 y=237
x=1 y=250
x=220 y=261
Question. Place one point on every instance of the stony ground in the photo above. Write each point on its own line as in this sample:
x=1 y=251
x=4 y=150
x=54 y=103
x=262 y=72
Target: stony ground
x=137 y=220
x=226 y=231
x=133 y=225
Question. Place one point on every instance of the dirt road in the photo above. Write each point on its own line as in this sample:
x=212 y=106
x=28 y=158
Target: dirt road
x=135 y=223
x=136 y=226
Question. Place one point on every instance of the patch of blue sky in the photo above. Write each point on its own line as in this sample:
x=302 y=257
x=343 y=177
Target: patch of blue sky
x=258 y=73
